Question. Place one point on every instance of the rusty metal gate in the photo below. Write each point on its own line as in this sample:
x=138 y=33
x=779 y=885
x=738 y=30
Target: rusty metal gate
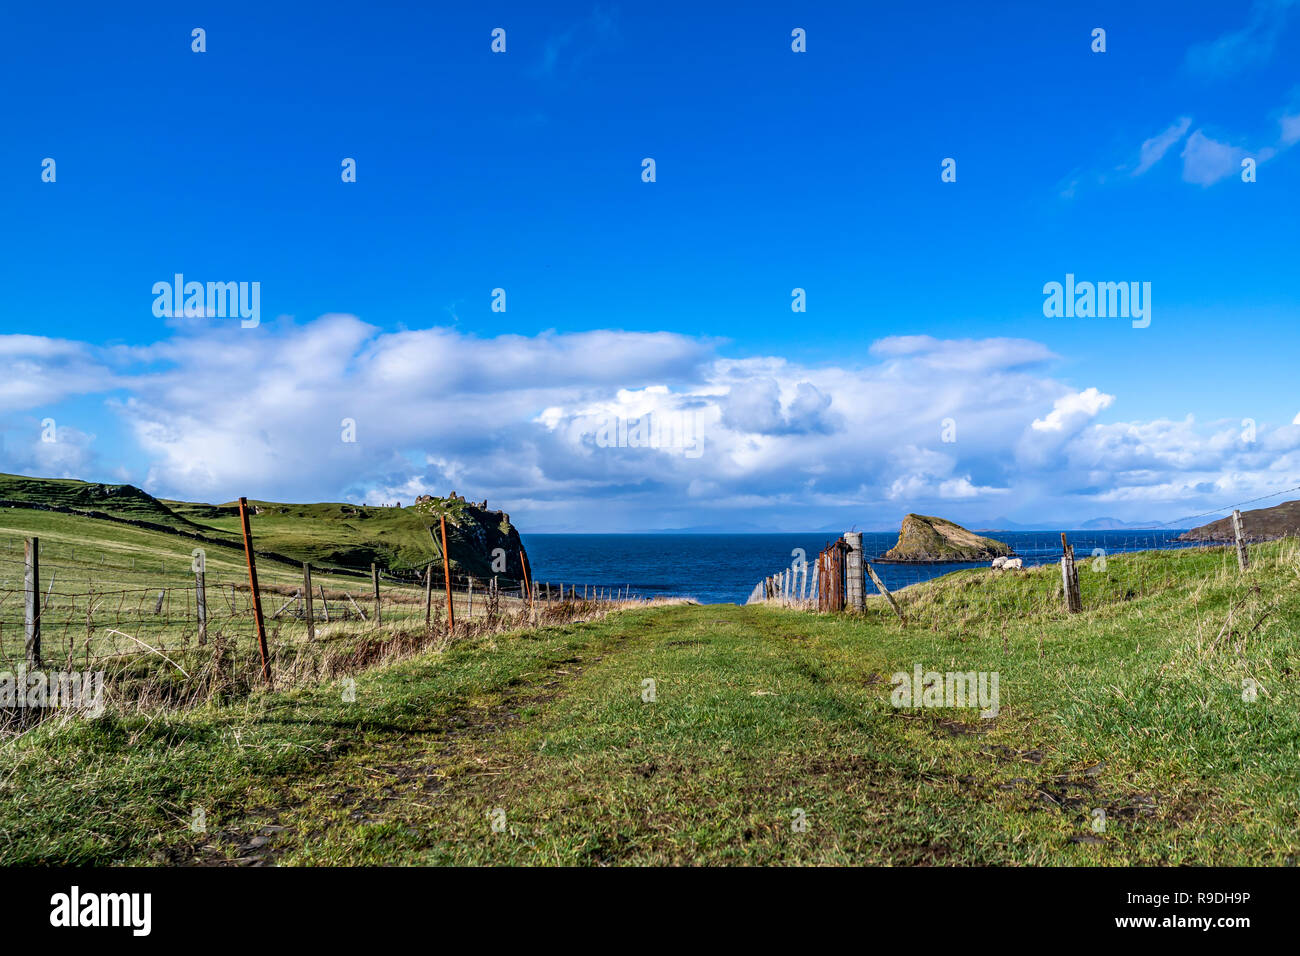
x=830 y=577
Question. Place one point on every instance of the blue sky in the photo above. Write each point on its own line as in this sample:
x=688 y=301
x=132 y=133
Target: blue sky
x=775 y=170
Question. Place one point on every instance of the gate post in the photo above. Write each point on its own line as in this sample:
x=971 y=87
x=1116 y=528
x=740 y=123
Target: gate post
x=856 y=585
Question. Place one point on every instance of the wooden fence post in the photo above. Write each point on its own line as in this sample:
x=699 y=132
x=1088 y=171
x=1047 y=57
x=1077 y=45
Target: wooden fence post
x=32 y=602
x=428 y=595
x=374 y=582
x=355 y=606
x=1243 y=559
x=296 y=596
x=252 y=583
x=1070 y=578
x=201 y=602
x=857 y=585
x=311 y=609
x=470 y=612
x=880 y=586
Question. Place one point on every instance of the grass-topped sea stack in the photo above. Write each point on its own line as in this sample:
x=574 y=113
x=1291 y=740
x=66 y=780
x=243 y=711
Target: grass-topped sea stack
x=926 y=539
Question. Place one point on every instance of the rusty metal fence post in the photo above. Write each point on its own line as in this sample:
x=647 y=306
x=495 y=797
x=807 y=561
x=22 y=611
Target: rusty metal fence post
x=252 y=583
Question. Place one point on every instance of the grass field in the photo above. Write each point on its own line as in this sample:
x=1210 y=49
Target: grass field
x=537 y=747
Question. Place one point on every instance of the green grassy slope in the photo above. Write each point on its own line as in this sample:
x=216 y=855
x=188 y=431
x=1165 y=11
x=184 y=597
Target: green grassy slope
x=331 y=534
x=1134 y=707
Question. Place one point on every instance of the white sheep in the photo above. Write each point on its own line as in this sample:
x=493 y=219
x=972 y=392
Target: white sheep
x=1013 y=563
x=999 y=562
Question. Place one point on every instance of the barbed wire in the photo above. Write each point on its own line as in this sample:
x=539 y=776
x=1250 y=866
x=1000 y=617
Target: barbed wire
x=1249 y=501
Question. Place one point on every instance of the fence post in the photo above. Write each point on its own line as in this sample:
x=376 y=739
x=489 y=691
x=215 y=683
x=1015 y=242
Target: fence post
x=528 y=587
x=311 y=609
x=32 y=602
x=470 y=612
x=1243 y=559
x=880 y=586
x=428 y=594
x=252 y=583
x=857 y=589
x=201 y=602
x=325 y=605
x=374 y=582
x=1070 y=578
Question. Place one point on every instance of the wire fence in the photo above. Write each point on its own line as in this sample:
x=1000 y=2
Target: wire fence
x=183 y=627
x=859 y=565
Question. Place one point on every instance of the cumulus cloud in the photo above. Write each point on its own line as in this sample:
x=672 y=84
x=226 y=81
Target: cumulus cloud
x=624 y=430
x=1072 y=408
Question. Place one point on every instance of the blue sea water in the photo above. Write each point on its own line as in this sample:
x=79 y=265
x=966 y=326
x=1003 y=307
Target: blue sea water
x=723 y=568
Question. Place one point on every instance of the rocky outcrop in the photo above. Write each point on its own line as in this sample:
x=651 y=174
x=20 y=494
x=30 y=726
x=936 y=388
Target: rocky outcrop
x=928 y=540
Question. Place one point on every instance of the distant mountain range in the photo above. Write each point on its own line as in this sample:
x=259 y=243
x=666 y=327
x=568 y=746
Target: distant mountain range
x=984 y=525
x=1092 y=524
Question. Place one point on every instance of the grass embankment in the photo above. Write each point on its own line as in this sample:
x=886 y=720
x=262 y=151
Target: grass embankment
x=1134 y=707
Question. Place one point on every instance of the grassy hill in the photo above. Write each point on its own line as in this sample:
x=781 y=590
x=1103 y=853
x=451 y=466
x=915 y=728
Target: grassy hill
x=1261 y=524
x=761 y=717
x=337 y=535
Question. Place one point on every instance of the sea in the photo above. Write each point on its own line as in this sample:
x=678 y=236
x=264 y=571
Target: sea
x=723 y=568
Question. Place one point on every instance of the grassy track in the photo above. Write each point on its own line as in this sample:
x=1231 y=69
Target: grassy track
x=1134 y=707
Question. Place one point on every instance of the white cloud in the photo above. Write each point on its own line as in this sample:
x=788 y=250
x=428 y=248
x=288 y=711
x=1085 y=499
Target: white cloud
x=1251 y=45
x=1154 y=149
x=1290 y=132
x=1206 y=161
x=216 y=413
x=1071 y=408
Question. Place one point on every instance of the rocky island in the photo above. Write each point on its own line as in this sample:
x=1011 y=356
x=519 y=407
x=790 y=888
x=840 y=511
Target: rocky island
x=925 y=539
